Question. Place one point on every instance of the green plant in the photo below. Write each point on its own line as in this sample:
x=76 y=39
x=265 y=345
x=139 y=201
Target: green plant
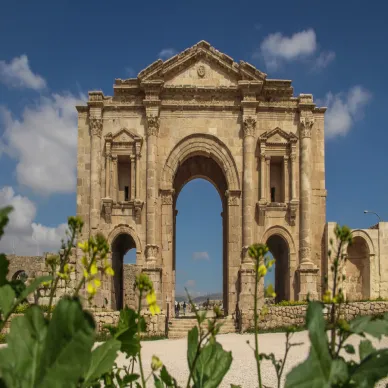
x=269 y=291
x=290 y=303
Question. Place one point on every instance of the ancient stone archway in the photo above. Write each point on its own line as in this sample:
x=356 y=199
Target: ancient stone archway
x=201 y=156
x=357 y=269
x=281 y=245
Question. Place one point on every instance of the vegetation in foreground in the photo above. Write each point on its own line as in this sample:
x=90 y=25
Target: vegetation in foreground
x=52 y=347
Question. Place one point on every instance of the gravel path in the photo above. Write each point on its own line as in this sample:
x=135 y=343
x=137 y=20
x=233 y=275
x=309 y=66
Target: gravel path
x=243 y=369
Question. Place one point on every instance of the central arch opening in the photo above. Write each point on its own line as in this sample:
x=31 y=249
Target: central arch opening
x=200 y=230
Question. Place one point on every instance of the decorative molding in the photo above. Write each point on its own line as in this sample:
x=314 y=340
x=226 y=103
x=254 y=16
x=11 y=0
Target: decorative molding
x=276 y=137
x=233 y=197
x=249 y=126
x=292 y=210
x=201 y=71
x=137 y=208
x=95 y=125
x=152 y=125
x=107 y=209
x=151 y=252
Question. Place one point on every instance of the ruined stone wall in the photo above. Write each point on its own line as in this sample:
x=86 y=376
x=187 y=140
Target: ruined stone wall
x=130 y=271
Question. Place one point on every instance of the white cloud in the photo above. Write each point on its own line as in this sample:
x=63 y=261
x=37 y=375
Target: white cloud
x=44 y=141
x=24 y=236
x=324 y=59
x=344 y=109
x=200 y=256
x=167 y=53
x=17 y=74
x=277 y=49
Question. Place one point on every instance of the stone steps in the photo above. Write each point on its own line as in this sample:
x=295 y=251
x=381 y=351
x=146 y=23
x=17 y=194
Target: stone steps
x=179 y=327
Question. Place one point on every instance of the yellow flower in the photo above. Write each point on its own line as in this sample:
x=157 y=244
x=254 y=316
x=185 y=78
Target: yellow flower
x=270 y=264
x=63 y=275
x=156 y=363
x=109 y=271
x=97 y=283
x=86 y=275
x=151 y=300
x=93 y=269
x=84 y=261
x=262 y=270
x=91 y=289
x=84 y=246
x=327 y=297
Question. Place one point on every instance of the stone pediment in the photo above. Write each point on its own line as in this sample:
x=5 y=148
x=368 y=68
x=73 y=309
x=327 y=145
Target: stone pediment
x=124 y=135
x=278 y=136
x=201 y=65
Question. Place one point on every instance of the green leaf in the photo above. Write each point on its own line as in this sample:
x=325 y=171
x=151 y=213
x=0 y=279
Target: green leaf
x=7 y=299
x=4 y=264
x=349 y=349
x=102 y=360
x=130 y=378
x=158 y=383
x=372 y=369
x=127 y=332
x=4 y=212
x=235 y=386
x=167 y=378
x=365 y=348
x=366 y=325
x=192 y=345
x=318 y=371
x=212 y=365
x=67 y=348
x=19 y=361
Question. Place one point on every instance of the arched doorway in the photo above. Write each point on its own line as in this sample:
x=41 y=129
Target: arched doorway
x=205 y=168
x=279 y=249
x=121 y=245
x=357 y=270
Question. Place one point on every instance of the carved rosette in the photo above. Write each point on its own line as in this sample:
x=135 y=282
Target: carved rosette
x=95 y=126
x=167 y=197
x=151 y=252
x=249 y=126
x=152 y=125
x=233 y=197
x=306 y=124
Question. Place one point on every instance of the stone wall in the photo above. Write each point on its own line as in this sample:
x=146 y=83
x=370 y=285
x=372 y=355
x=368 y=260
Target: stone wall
x=280 y=316
x=130 y=271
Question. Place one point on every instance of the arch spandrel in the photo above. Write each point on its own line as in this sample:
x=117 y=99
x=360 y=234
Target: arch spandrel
x=125 y=229
x=282 y=232
x=366 y=237
x=205 y=145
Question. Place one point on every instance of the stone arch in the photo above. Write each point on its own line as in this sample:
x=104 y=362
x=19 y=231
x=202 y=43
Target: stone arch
x=357 y=284
x=125 y=229
x=282 y=247
x=205 y=145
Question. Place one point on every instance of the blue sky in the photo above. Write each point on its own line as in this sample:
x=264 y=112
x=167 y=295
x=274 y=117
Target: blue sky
x=52 y=53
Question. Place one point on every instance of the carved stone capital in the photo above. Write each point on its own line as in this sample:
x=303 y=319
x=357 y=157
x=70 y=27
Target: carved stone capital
x=152 y=125
x=95 y=126
x=249 y=126
x=167 y=196
x=304 y=254
x=233 y=197
x=151 y=252
x=292 y=209
x=137 y=208
x=306 y=124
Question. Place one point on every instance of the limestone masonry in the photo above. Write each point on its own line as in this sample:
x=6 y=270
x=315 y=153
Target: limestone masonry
x=199 y=114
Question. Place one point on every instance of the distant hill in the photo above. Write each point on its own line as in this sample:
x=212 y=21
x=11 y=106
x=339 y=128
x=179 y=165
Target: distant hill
x=202 y=298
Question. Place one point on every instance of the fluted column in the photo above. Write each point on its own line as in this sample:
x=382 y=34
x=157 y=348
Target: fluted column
x=263 y=167
x=286 y=176
x=133 y=177
x=268 y=176
x=152 y=136
x=248 y=197
x=293 y=177
x=95 y=165
x=306 y=123
x=108 y=158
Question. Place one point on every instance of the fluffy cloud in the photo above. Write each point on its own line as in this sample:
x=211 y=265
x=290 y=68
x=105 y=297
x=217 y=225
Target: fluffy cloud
x=200 y=256
x=22 y=235
x=167 y=53
x=44 y=142
x=344 y=109
x=17 y=74
x=277 y=49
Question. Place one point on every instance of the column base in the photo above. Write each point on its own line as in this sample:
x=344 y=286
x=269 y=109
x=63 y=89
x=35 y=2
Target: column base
x=308 y=276
x=155 y=275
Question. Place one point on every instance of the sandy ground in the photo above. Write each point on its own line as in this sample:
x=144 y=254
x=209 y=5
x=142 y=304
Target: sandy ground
x=243 y=369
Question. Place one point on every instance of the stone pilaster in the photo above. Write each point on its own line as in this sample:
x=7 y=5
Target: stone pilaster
x=95 y=123
x=248 y=197
x=286 y=176
x=307 y=270
x=133 y=177
x=268 y=176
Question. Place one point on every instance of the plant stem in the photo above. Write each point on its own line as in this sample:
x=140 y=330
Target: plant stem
x=138 y=336
x=256 y=326
x=288 y=347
